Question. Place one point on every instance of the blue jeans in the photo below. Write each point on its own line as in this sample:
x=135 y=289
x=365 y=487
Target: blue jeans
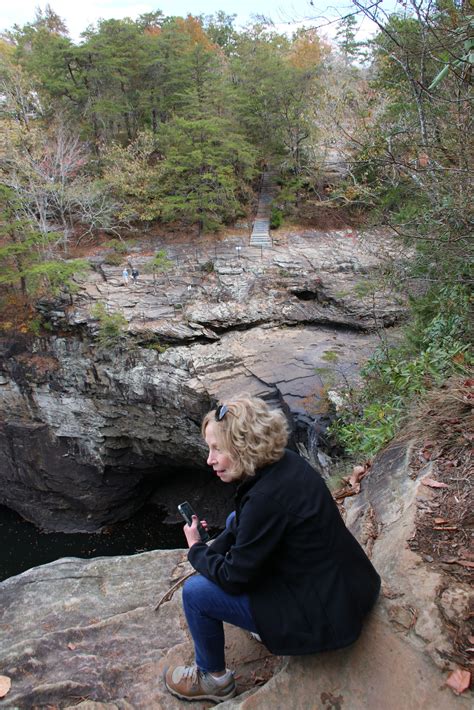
x=207 y=606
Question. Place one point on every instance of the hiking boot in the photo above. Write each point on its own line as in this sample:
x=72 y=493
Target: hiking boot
x=190 y=683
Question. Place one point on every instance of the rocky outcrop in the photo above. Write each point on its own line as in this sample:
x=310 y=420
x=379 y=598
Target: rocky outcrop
x=315 y=277
x=86 y=632
x=421 y=601
x=87 y=432
x=86 y=435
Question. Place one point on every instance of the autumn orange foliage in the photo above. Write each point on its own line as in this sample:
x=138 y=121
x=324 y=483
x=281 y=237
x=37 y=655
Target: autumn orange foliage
x=193 y=28
x=308 y=51
x=16 y=313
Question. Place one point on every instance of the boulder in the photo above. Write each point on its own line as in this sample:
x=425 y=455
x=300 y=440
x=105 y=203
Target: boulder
x=84 y=633
x=86 y=630
x=416 y=592
x=381 y=670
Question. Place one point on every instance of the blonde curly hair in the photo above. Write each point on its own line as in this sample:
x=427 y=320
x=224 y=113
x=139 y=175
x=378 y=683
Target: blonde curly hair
x=251 y=433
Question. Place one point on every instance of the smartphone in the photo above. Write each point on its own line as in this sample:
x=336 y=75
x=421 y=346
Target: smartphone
x=187 y=512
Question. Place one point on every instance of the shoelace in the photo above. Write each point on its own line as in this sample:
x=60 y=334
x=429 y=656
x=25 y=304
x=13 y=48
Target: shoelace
x=193 y=673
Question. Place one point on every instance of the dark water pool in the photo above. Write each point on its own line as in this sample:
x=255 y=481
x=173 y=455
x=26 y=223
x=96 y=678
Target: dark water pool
x=23 y=546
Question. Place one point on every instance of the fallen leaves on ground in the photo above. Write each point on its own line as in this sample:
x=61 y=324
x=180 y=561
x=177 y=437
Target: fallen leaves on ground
x=358 y=473
x=459 y=680
x=351 y=485
x=430 y=451
x=5 y=685
x=443 y=427
x=457 y=561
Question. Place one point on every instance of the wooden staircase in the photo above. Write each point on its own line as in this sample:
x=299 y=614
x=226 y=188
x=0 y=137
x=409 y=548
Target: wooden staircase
x=260 y=236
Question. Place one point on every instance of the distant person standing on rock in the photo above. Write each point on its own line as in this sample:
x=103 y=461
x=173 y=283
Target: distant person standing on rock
x=134 y=275
x=125 y=276
x=285 y=568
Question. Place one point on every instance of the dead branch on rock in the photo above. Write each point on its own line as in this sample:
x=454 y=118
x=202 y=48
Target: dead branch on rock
x=169 y=594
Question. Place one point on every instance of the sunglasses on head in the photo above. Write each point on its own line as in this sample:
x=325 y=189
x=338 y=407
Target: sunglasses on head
x=221 y=411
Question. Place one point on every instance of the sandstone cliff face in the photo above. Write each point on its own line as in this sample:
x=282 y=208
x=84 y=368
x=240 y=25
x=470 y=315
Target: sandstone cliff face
x=87 y=433
x=84 y=633
x=81 y=442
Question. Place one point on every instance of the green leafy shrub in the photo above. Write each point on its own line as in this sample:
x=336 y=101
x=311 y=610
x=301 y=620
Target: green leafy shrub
x=436 y=346
x=113 y=259
x=35 y=325
x=276 y=218
x=208 y=267
x=118 y=246
x=111 y=326
x=160 y=264
x=366 y=436
x=289 y=195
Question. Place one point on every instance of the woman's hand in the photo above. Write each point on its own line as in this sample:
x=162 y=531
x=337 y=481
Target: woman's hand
x=192 y=532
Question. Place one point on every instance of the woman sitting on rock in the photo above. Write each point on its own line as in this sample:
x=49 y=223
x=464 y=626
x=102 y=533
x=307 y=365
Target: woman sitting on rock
x=285 y=567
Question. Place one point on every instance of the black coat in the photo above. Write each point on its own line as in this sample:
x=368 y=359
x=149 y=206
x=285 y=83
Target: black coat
x=310 y=583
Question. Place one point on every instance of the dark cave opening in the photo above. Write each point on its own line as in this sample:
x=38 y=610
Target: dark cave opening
x=155 y=525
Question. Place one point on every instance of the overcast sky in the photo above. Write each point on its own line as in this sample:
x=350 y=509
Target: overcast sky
x=79 y=14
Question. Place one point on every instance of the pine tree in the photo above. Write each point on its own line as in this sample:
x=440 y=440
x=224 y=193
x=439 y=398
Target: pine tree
x=351 y=49
x=205 y=171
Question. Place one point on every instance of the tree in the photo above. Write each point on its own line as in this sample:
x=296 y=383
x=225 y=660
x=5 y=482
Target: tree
x=186 y=72
x=44 y=52
x=299 y=93
x=274 y=83
x=112 y=63
x=257 y=70
x=205 y=172
x=351 y=49
x=20 y=101
x=49 y=20
x=134 y=174
x=220 y=30
x=24 y=260
x=412 y=154
x=160 y=264
x=47 y=171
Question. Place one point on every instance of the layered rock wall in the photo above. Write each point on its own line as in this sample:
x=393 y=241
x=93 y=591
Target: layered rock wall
x=87 y=431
